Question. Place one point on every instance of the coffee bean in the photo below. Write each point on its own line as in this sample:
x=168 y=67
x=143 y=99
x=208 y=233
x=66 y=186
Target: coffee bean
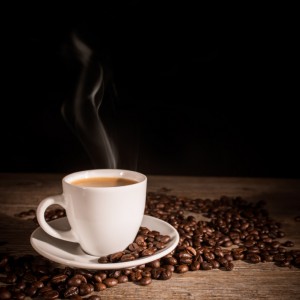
x=165 y=274
x=115 y=257
x=170 y=260
x=182 y=268
x=31 y=291
x=11 y=278
x=140 y=240
x=128 y=257
x=114 y=273
x=71 y=291
x=5 y=293
x=134 y=247
x=155 y=273
x=254 y=258
x=18 y=296
x=103 y=260
x=99 y=287
x=288 y=244
x=45 y=289
x=148 y=252
x=85 y=289
x=229 y=266
x=51 y=295
x=76 y=297
x=59 y=278
x=136 y=275
x=203 y=245
x=74 y=281
x=110 y=282
x=206 y=266
x=94 y=297
x=145 y=281
x=122 y=279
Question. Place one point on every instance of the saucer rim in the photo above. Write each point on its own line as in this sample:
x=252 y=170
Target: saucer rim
x=107 y=266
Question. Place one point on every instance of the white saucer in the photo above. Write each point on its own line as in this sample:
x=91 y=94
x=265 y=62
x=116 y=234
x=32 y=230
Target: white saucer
x=70 y=254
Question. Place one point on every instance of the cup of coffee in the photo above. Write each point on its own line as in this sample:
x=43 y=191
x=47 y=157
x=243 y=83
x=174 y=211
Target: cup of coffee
x=104 y=207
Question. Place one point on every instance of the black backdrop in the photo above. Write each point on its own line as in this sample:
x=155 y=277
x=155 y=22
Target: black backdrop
x=192 y=92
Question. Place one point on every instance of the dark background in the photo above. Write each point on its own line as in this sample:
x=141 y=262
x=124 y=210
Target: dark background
x=190 y=90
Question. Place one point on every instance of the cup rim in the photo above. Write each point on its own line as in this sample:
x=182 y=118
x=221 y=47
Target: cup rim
x=90 y=173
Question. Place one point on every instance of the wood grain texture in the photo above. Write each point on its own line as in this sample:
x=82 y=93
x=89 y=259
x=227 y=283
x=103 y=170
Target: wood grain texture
x=21 y=192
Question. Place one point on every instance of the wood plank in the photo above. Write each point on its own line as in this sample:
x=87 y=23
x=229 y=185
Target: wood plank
x=20 y=192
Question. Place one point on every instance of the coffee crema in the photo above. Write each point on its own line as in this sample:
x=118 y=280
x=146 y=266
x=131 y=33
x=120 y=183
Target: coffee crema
x=103 y=182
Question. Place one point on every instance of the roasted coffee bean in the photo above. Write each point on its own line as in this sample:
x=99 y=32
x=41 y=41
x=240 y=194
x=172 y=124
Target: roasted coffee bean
x=237 y=256
x=110 y=282
x=170 y=261
x=145 y=281
x=94 y=297
x=103 y=260
x=279 y=257
x=134 y=247
x=284 y=263
x=59 y=278
x=86 y=288
x=228 y=257
x=215 y=264
x=155 y=273
x=114 y=273
x=229 y=266
x=50 y=295
x=29 y=277
x=122 y=279
x=154 y=264
x=127 y=272
x=11 y=278
x=18 y=296
x=182 y=268
x=99 y=287
x=127 y=257
x=75 y=281
x=30 y=291
x=136 y=276
x=254 y=258
x=140 y=240
x=76 y=297
x=165 y=274
x=115 y=257
x=85 y=273
x=71 y=291
x=169 y=267
x=45 y=289
x=203 y=245
x=3 y=260
x=206 y=266
x=148 y=252
x=186 y=261
x=288 y=244
x=5 y=293
x=194 y=266
x=208 y=255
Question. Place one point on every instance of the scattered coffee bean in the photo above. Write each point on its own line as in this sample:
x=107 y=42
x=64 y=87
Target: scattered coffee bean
x=234 y=230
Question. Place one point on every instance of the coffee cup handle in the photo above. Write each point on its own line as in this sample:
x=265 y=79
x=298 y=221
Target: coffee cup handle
x=69 y=235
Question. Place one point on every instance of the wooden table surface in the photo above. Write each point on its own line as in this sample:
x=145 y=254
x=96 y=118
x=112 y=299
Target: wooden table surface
x=21 y=192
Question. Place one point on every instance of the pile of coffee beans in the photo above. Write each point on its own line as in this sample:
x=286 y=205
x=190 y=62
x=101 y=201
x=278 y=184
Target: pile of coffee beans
x=213 y=234
x=146 y=243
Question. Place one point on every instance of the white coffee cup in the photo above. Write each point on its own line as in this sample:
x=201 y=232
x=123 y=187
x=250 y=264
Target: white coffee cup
x=103 y=220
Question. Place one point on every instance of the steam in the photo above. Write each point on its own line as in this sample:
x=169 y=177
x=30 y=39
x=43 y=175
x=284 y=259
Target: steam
x=81 y=112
